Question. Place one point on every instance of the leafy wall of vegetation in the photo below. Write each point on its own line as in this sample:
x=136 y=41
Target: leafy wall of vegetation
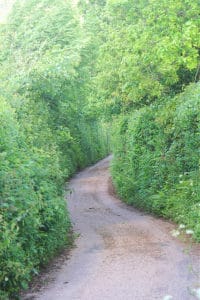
x=156 y=162
x=133 y=62
x=46 y=133
x=150 y=50
x=147 y=81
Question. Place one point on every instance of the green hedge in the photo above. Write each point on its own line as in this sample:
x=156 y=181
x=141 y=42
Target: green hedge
x=156 y=158
x=45 y=134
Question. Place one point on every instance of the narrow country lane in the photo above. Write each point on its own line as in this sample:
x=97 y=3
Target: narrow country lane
x=120 y=253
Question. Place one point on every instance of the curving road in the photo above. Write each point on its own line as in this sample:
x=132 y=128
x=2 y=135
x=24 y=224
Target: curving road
x=120 y=254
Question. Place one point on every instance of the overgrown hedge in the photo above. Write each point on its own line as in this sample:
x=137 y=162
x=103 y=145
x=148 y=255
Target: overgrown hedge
x=149 y=54
x=46 y=134
x=156 y=158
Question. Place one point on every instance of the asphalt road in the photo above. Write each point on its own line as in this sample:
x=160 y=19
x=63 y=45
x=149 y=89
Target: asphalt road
x=120 y=253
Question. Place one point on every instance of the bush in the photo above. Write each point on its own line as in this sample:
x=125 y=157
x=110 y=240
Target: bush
x=45 y=134
x=156 y=162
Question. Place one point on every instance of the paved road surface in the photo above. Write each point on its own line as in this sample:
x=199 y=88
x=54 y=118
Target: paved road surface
x=120 y=254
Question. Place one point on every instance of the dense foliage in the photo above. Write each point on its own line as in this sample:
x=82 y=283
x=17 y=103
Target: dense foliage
x=149 y=56
x=46 y=133
x=156 y=163
x=62 y=67
x=150 y=49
